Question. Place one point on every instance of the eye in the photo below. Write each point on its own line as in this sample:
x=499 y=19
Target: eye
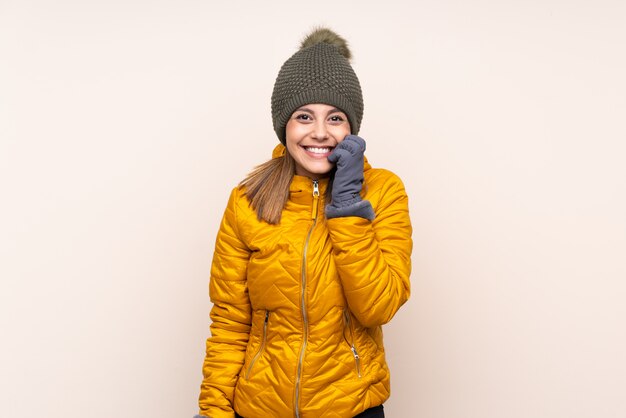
x=303 y=116
x=337 y=118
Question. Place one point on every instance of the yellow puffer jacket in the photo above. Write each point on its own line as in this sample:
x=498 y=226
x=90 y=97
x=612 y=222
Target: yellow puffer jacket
x=298 y=307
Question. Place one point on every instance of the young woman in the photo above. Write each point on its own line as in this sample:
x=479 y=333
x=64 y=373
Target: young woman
x=312 y=257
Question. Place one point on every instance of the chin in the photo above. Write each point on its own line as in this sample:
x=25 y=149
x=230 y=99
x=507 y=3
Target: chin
x=319 y=170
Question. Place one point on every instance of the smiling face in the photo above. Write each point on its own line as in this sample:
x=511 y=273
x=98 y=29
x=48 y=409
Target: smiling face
x=312 y=132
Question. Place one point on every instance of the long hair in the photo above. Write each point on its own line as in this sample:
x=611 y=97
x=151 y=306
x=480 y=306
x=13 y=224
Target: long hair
x=267 y=187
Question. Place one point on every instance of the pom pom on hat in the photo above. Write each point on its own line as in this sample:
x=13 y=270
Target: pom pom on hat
x=326 y=36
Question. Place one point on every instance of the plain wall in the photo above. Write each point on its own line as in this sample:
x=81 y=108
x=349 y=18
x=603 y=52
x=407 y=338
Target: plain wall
x=124 y=125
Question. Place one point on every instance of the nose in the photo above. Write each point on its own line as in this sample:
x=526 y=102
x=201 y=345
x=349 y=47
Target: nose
x=320 y=131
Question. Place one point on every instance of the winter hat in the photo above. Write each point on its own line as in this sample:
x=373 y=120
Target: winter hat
x=320 y=72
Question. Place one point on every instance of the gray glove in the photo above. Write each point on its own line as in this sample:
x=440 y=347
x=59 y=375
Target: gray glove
x=348 y=181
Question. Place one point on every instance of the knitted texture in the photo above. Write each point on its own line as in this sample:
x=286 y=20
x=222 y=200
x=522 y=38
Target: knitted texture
x=316 y=74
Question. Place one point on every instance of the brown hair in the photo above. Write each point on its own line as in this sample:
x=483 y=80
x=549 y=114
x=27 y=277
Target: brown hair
x=267 y=187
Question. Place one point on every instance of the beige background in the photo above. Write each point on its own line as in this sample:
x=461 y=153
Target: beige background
x=124 y=124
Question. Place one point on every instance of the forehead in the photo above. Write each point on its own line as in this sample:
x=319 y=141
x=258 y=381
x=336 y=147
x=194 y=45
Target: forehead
x=318 y=108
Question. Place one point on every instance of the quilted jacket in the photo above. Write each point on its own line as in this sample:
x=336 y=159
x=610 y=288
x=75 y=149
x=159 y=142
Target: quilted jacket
x=298 y=306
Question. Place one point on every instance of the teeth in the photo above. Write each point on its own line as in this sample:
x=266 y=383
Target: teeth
x=316 y=150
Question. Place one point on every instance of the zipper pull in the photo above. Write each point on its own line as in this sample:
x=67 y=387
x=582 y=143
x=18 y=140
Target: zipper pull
x=357 y=361
x=354 y=352
x=316 y=194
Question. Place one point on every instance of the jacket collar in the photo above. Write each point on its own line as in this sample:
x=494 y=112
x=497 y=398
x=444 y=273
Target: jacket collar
x=301 y=187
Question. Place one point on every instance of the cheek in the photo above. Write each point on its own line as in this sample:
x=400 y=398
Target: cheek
x=294 y=132
x=340 y=132
x=292 y=141
x=290 y=147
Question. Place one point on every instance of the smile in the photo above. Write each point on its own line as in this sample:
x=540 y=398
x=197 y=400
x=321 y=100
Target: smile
x=318 y=150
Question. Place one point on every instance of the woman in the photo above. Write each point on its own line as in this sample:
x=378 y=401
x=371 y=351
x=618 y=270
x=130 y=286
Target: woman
x=312 y=257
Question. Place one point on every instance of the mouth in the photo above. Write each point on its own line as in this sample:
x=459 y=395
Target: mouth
x=318 y=151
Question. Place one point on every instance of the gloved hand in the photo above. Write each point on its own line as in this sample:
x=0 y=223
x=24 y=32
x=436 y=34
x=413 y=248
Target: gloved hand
x=346 y=188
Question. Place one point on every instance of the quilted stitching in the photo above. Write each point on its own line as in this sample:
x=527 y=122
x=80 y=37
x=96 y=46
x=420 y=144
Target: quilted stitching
x=352 y=263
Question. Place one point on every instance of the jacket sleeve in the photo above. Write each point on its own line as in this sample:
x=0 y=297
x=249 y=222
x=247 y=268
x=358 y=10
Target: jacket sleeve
x=230 y=315
x=373 y=258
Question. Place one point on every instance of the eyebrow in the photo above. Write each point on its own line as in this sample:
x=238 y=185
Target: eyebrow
x=307 y=110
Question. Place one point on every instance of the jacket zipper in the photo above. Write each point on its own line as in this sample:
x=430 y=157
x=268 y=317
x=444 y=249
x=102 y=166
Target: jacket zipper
x=355 y=353
x=305 y=319
x=256 y=356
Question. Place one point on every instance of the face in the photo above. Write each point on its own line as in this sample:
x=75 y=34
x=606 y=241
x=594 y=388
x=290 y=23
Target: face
x=312 y=132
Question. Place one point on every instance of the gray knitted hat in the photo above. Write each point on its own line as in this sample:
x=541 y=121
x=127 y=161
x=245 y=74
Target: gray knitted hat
x=320 y=72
